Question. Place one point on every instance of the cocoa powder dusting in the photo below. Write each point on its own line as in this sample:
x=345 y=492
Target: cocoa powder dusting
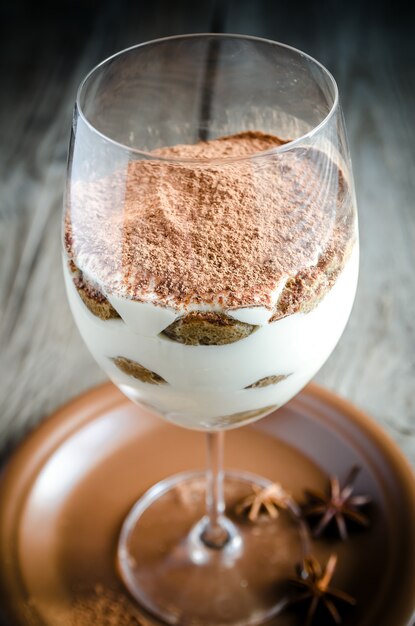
x=105 y=607
x=223 y=233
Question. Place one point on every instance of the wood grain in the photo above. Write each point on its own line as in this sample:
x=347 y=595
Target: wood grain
x=43 y=360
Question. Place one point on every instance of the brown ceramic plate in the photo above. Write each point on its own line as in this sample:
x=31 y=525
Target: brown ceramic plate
x=67 y=488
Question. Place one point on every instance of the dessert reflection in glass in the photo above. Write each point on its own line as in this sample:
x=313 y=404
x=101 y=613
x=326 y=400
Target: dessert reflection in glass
x=211 y=261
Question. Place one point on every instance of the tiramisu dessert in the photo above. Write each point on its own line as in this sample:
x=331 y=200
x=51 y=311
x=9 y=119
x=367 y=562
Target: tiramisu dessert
x=211 y=281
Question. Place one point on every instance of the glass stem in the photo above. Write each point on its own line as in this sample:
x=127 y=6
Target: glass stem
x=215 y=534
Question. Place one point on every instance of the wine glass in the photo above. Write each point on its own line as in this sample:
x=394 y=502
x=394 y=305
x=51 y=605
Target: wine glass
x=211 y=260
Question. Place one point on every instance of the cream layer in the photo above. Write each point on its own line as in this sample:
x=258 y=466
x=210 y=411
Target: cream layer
x=207 y=384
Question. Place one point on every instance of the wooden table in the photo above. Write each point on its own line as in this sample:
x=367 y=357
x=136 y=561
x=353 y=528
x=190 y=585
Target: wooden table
x=47 y=49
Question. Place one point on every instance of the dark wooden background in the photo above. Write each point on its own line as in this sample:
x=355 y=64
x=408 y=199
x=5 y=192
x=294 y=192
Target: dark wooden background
x=47 y=47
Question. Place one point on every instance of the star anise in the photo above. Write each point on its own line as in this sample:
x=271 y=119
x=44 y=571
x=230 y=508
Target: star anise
x=338 y=505
x=267 y=500
x=314 y=584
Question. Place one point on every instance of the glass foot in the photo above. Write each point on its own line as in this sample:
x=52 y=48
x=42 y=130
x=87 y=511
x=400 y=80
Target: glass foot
x=170 y=571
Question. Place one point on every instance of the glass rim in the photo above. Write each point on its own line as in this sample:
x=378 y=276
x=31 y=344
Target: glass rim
x=154 y=157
